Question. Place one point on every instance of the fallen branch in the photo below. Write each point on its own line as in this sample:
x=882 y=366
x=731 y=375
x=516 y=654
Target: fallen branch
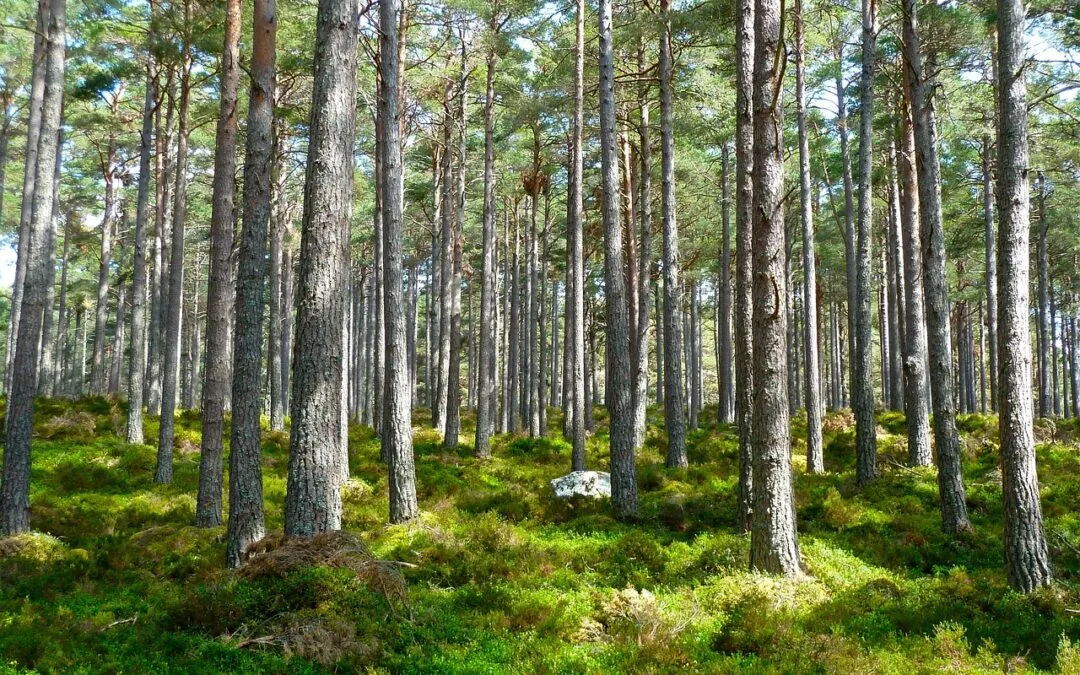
x=120 y=622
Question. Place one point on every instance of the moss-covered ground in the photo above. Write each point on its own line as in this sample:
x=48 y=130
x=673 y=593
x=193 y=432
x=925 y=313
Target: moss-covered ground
x=498 y=577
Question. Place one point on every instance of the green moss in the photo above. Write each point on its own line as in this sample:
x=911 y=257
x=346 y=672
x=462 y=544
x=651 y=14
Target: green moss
x=498 y=576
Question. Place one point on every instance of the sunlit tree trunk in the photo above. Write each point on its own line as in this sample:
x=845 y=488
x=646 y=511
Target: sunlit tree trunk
x=15 y=481
x=774 y=546
x=623 y=472
x=745 y=39
x=674 y=420
x=174 y=308
x=1027 y=562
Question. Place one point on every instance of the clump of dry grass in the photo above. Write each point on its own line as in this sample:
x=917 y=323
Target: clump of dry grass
x=70 y=423
x=277 y=555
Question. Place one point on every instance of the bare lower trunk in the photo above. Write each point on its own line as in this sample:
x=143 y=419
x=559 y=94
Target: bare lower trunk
x=623 y=472
x=950 y=479
x=674 y=420
x=774 y=546
x=219 y=291
x=861 y=390
x=15 y=481
x=1027 y=561
x=916 y=394
x=313 y=496
x=744 y=215
x=171 y=336
x=815 y=462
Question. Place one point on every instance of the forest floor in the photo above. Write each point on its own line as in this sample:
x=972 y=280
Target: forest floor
x=497 y=576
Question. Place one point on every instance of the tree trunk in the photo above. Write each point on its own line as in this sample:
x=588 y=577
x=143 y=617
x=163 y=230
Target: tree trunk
x=46 y=364
x=1046 y=408
x=15 y=482
x=745 y=39
x=452 y=433
x=101 y=315
x=950 y=481
x=916 y=394
x=861 y=375
x=397 y=424
x=245 y=524
x=137 y=363
x=991 y=271
x=171 y=336
x=815 y=462
x=274 y=358
x=725 y=390
x=486 y=378
x=32 y=147
x=1027 y=562
x=674 y=420
x=313 y=496
x=575 y=251
x=208 y=504
x=774 y=546
x=623 y=472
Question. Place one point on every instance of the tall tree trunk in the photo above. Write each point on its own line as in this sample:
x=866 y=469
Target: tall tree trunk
x=991 y=270
x=774 y=546
x=452 y=433
x=916 y=393
x=208 y=504
x=486 y=380
x=1027 y=561
x=33 y=135
x=48 y=329
x=397 y=425
x=861 y=375
x=674 y=420
x=313 y=496
x=61 y=359
x=246 y=524
x=575 y=250
x=1046 y=406
x=101 y=314
x=274 y=358
x=137 y=363
x=15 y=481
x=950 y=479
x=815 y=462
x=725 y=390
x=849 y=212
x=447 y=269
x=623 y=472
x=745 y=48
x=171 y=336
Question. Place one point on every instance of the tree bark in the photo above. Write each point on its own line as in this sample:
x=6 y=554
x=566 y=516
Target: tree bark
x=815 y=462
x=745 y=40
x=246 y=524
x=950 y=479
x=575 y=250
x=623 y=472
x=674 y=419
x=397 y=423
x=1027 y=562
x=916 y=394
x=861 y=390
x=218 y=310
x=137 y=363
x=486 y=377
x=170 y=364
x=15 y=481
x=774 y=546
x=33 y=136
x=313 y=496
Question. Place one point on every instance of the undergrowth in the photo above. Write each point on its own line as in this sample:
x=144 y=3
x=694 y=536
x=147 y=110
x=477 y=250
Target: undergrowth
x=498 y=576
